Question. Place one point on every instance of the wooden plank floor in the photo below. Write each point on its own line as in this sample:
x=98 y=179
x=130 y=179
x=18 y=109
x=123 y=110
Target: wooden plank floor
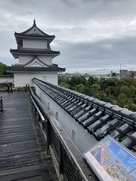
x=23 y=154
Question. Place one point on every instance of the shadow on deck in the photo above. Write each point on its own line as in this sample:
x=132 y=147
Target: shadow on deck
x=23 y=154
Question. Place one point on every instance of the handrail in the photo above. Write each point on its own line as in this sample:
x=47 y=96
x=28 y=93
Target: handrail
x=37 y=109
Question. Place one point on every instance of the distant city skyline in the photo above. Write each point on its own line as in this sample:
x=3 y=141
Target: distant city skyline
x=92 y=36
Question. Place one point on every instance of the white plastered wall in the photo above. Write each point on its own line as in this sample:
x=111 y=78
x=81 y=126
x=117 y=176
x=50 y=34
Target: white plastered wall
x=38 y=44
x=46 y=59
x=34 y=30
x=80 y=136
x=23 y=59
x=20 y=79
x=6 y=79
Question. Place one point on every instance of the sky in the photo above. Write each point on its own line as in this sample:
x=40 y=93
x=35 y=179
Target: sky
x=93 y=36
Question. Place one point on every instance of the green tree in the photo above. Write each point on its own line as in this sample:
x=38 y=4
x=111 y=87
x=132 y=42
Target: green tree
x=87 y=90
x=3 y=69
x=132 y=107
x=122 y=100
x=92 y=80
x=134 y=82
x=121 y=92
x=110 y=90
x=73 y=81
x=64 y=84
x=81 y=80
x=125 y=90
x=95 y=88
x=121 y=82
x=102 y=95
x=132 y=90
x=80 y=88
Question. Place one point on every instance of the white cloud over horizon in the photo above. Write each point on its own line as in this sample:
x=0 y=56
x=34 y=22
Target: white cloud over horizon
x=93 y=36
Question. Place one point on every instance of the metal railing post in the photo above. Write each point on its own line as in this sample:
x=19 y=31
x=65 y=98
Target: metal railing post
x=60 y=158
x=48 y=135
x=1 y=104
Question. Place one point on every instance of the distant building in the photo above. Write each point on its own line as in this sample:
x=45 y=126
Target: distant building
x=127 y=74
x=132 y=74
x=113 y=74
x=123 y=73
x=35 y=57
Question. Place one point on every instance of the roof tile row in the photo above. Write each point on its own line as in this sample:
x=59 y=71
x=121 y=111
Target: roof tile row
x=98 y=117
x=35 y=69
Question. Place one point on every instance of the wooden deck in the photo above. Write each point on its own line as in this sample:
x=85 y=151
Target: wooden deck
x=23 y=155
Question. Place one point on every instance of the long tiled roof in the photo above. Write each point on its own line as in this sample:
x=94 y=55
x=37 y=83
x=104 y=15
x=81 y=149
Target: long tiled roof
x=34 y=36
x=97 y=117
x=23 y=51
x=52 y=68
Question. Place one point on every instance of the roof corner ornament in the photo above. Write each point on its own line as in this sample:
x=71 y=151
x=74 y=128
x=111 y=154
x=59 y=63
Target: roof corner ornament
x=34 y=23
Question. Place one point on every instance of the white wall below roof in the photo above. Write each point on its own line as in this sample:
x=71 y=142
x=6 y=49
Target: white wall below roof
x=35 y=30
x=20 y=79
x=46 y=59
x=6 y=79
x=82 y=139
x=23 y=59
x=38 y=44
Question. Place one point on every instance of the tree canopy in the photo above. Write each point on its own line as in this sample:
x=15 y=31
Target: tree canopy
x=121 y=92
x=3 y=69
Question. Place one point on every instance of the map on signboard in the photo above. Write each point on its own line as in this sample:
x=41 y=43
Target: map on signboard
x=111 y=161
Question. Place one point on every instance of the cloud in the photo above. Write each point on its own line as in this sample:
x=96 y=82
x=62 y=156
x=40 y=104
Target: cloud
x=92 y=35
x=107 y=54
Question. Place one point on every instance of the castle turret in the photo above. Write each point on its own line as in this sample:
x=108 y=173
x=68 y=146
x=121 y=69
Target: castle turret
x=35 y=57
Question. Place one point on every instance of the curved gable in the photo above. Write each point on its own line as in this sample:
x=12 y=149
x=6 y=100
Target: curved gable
x=35 y=62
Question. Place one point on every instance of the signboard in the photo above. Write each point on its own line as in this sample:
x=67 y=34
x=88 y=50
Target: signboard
x=111 y=161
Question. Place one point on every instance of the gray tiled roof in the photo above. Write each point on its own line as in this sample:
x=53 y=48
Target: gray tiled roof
x=97 y=117
x=35 y=69
x=23 y=51
x=27 y=34
x=35 y=51
x=34 y=36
